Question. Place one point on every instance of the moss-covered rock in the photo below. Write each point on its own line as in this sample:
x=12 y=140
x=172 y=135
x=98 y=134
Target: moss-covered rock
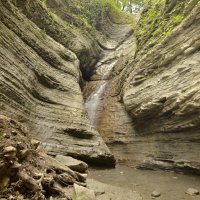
x=158 y=20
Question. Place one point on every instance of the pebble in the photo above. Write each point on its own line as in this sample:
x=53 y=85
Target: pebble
x=11 y=197
x=5 y=135
x=155 y=194
x=35 y=143
x=192 y=191
x=98 y=193
x=9 y=151
x=14 y=133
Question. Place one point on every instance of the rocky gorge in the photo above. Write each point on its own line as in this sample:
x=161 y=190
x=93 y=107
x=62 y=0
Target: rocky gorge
x=43 y=52
x=83 y=80
x=157 y=85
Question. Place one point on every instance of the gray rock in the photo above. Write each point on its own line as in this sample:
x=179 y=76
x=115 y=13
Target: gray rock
x=155 y=194
x=159 y=87
x=46 y=95
x=192 y=191
x=82 y=193
x=74 y=164
x=162 y=101
x=107 y=192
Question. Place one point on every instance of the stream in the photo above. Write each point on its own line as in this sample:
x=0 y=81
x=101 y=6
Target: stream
x=171 y=185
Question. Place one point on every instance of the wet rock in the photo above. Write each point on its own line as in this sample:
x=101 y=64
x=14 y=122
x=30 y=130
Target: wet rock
x=192 y=191
x=155 y=194
x=184 y=166
x=72 y=163
x=115 y=125
x=82 y=193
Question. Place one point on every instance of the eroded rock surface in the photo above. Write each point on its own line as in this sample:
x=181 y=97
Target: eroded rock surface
x=72 y=163
x=40 y=59
x=27 y=172
x=162 y=92
x=156 y=91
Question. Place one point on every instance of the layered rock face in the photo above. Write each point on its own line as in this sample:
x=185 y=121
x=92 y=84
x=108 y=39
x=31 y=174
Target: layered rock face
x=159 y=84
x=116 y=125
x=153 y=99
x=162 y=91
x=40 y=76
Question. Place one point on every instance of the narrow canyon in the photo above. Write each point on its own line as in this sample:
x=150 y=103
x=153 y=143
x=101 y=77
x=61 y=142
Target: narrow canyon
x=99 y=99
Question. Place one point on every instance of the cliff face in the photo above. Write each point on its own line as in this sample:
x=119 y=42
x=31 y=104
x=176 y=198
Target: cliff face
x=153 y=100
x=159 y=84
x=162 y=90
x=41 y=55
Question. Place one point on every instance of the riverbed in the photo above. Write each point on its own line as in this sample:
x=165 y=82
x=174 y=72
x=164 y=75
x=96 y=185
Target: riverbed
x=172 y=186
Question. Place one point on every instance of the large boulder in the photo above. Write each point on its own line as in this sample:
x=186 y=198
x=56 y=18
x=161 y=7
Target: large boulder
x=82 y=193
x=72 y=163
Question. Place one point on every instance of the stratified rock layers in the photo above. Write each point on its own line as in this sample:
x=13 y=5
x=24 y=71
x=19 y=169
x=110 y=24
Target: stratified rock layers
x=162 y=91
x=39 y=86
x=159 y=88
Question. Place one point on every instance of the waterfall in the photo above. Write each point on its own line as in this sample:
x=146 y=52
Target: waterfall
x=94 y=103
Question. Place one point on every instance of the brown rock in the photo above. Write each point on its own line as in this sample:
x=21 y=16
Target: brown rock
x=35 y=143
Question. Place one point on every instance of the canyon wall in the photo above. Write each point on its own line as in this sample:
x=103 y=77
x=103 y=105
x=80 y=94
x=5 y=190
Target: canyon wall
x=158 y=83
x=43 y=57
x=153 y=100
x=161 y=91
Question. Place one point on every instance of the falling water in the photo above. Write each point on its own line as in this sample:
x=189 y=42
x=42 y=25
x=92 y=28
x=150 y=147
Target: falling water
x=94 y=103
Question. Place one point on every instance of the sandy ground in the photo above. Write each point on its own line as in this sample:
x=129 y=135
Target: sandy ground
x=171 y=185
x=109 y=192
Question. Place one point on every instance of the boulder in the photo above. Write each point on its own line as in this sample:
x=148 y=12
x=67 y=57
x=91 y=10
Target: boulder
x=74 y=164
x=192 y=191
x=82 y=193
x=155 y=194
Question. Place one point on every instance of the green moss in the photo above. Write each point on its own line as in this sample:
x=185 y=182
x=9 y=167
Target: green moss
x=4 y=183
x=159 y=21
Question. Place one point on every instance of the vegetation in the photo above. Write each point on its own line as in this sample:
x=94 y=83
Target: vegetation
x=93 y=13
x=131 y=5
x=159 y=19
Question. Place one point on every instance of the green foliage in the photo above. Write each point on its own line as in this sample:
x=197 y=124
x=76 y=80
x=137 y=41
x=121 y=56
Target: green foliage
x=43 y=1
x=4 y=183
x=127 y=5
x=177 y=19
x=159 y=20
x=91 y=13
